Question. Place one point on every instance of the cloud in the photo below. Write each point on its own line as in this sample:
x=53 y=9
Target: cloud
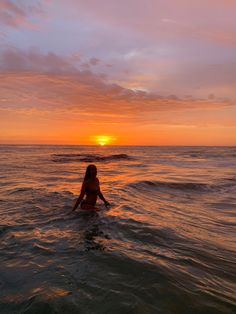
x=47 y=83
x=15 y=14
x=203 y=79
x=94 y=61
x=33 y=60
x=186 y=29
x=207 y=20
x=159 y=48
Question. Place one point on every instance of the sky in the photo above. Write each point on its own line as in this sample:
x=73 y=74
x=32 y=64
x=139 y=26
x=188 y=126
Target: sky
x=135 y=72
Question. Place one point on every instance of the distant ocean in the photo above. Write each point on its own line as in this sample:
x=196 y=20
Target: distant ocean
x=167 y=244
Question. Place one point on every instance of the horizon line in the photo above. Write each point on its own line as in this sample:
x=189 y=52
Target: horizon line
x=112 y=145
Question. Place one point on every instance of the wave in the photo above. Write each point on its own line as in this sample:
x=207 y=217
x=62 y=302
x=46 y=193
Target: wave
x=183 y=186
x=24 y=190
x=64 y=158
x=209 y=155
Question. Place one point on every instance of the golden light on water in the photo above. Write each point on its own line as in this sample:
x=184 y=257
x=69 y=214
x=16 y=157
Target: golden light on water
x=103 y=139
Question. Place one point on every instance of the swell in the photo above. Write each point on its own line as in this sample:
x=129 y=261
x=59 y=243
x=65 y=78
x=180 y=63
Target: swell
x=65 y=158
x=182 y=186
x=170 y=185
x=38 y=192
x=211 y=154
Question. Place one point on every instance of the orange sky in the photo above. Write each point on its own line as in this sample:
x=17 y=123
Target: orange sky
x=141 y=72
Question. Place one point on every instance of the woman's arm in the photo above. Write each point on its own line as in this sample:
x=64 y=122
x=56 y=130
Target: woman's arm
x=81 y=196
x=102 y=197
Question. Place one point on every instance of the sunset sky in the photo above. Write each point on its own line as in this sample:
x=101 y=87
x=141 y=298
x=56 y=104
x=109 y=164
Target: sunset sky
x=142 y=72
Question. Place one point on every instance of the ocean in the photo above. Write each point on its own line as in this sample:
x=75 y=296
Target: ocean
x=166 y=245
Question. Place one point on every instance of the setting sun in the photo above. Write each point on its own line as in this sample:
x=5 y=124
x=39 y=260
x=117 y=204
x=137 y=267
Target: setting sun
x=102 y=139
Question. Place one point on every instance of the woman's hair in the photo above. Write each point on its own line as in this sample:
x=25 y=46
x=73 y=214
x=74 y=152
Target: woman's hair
x=88 y=172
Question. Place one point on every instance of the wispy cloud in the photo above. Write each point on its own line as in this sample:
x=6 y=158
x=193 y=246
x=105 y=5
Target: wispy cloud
x=15 y=13
x=47 y=82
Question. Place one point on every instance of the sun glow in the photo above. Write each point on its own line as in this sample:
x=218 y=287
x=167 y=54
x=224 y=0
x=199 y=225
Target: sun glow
x=103 y=139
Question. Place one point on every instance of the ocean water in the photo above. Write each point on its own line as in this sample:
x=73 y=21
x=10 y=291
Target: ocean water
x=166 y=245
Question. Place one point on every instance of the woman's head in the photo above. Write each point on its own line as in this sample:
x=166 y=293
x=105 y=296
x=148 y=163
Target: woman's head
x=91 y=172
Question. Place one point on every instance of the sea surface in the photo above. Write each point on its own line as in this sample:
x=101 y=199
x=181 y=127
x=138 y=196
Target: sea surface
x=166 y=245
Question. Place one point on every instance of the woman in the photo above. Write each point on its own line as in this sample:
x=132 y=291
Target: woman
x=91 y=189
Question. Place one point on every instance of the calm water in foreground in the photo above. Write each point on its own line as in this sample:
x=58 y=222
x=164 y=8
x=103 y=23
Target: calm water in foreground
x=166 y=245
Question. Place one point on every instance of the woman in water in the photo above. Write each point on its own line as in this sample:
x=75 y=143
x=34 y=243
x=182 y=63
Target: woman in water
x=91 y=189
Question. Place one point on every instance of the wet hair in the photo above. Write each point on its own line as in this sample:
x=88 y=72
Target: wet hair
x=88 y=172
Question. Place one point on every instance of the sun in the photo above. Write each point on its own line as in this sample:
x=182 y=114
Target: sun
x=103 y=140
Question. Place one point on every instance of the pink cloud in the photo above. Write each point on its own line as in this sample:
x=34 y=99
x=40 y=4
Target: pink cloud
x=87 y=95
x=33 y=60
x=14 y=14
x=33 y=83
x=208 y=20
x=94 y=61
